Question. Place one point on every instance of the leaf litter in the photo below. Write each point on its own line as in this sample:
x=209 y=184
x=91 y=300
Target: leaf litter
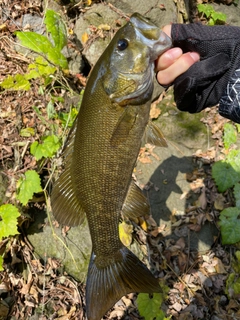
x=28 y=286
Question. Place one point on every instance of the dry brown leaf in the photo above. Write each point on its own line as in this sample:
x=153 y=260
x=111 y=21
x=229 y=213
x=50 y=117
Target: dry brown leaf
x=154 y=111
x=84 y=37
x=196 y=185
x=143 y=223
x=181 y=243
x=233 y=304
x=202 y=200
x=117 y=313
x=177 y=306
x=104 y=27
x=219 y=202
x=145 y=159
x=219 y=266
x=194 y=227
x=182 y=261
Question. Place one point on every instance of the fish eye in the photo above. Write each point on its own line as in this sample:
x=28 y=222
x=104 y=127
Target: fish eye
x=122 y=44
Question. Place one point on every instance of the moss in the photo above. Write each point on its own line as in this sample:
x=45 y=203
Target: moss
x=181 y=127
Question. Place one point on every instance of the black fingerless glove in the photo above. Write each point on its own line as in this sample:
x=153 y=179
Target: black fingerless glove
x=204 y=83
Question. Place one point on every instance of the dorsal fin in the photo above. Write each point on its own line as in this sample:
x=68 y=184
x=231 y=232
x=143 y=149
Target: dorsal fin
x=66 y=206
x=154 y=135
x=135 y=204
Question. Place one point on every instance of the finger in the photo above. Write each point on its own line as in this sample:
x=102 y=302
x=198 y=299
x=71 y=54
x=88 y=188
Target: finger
x=168 y=58
x=168 y=75
x=167 y=29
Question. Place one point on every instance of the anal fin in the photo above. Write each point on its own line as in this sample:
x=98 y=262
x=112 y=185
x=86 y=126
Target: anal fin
x=135 y=204
x=154 y=135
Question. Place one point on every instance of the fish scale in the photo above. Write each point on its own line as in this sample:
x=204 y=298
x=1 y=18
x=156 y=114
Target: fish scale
x=103 y=148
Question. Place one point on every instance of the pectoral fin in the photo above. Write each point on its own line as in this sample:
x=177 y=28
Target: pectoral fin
x=123 y=127
x=154 y=135
x=65 y=205
x=135 y=204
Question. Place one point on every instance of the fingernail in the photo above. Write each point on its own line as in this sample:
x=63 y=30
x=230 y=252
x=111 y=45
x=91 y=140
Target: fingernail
x=195 y=56
x=175 y=53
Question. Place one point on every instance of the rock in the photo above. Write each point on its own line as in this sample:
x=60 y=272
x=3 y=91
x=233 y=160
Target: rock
x=33 y=23
x=160 y=12
x=97 y=15
x=73 y=250
x=232 y=12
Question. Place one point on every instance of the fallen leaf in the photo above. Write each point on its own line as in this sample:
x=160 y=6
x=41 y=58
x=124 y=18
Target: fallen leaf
x=154 y=111
x=104 y=27
x=219 y=266
x=194 y=227
x=84 y=37
x=125 y=233
x=219 y=202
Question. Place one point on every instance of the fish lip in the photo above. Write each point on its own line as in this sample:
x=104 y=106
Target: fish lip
x=157 y=40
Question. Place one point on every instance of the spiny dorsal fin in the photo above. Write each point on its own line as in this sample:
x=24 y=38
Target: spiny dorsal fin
x=65 y=205
x=154 y=135
x=135 y=204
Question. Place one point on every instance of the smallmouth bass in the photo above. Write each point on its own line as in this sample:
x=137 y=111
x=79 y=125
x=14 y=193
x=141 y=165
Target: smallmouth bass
x=100 y=158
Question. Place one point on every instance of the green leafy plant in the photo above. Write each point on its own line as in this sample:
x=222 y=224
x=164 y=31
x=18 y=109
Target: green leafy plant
x=149 y=306
x=47 y=148
x=212 y=16
x=43 y=45
x=28 y=185
x=8 y=224
x=233 y=281
x=49 y=56
x=226 y=174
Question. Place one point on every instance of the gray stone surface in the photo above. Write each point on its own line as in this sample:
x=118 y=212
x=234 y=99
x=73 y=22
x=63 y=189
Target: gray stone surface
x=232 y=12
x=104 y=14
x=161 y=12
x=73 y=250
x=97 y=15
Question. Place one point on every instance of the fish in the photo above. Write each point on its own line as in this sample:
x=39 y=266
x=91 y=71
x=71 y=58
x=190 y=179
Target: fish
x=100 y=156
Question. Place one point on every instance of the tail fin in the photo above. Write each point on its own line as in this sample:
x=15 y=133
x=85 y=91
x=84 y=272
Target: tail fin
x=106 y=285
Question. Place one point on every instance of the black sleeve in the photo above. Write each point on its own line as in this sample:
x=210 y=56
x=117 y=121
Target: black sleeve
x=229 y=104
x=205 y=82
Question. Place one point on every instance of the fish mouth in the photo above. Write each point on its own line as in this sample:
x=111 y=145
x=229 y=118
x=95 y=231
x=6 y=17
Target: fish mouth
x=152 y=36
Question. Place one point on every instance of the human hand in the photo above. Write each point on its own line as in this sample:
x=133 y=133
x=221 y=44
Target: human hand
x=199 y=85
x=173 y=62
